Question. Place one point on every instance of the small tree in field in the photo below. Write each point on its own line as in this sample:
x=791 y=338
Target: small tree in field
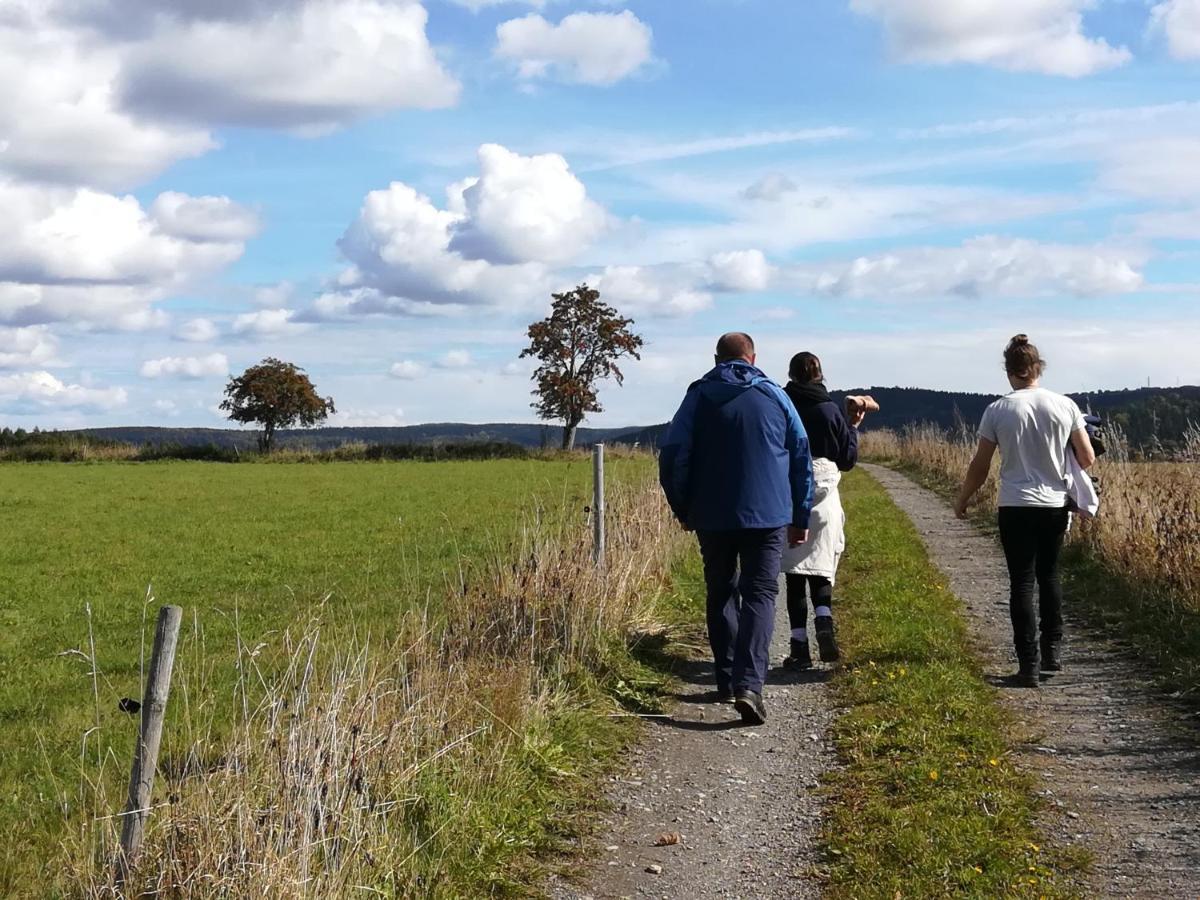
x=578 y=345
x=274 y=394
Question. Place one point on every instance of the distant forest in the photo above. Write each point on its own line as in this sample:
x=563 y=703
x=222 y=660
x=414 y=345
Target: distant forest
x=1151 y=418
x=1148 y=416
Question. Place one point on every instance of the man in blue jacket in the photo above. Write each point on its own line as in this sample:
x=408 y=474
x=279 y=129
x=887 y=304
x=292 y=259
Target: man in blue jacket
x=736 y=470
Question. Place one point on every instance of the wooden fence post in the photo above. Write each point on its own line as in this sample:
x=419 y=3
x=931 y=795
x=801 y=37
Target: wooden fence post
x=145 y=757
x=598 y=503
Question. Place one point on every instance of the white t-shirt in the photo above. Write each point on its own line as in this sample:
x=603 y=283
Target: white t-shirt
x=1033 y=428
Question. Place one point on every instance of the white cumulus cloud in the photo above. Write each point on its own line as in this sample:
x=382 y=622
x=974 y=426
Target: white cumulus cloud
x=1179 y=20
x=198 y=331
x=524 y=209
x=101 y=260
x=455 y=359
x=60 y=117
x=352 y=417
x=30 y=346
x=78 y=235
x=266 y=323
x=40 y=391
x=739 y=271
x=109 y=93
x=203 y=219
x=274 y=296
x=982 y=267
x=215 y=364
x=308 y=65
x=491 y=245
x=407 y=370
x=644 y=290
x=1021 y=35
x=589 y=48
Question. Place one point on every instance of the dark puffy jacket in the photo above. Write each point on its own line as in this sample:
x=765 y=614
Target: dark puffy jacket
x=736 y=455
x=830 y=436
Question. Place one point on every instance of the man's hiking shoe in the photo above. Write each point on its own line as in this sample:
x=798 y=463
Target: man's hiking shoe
x=751 y=707
x=1052 y=656
x=720 y=696
x=799 y=658
x=1027 y=675
x=826 y=642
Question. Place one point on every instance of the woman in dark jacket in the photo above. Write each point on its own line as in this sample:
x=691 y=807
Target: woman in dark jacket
x=811 y=567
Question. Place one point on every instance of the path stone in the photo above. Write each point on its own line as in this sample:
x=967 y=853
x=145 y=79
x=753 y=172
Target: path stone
x=743 y=800
x=1118 y=762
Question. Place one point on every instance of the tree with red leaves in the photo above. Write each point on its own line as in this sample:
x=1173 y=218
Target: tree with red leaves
x=577 y=345
x=274 y=394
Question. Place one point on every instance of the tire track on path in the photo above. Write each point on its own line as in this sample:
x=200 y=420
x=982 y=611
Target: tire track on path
x=743 y=800
x=1118 y=762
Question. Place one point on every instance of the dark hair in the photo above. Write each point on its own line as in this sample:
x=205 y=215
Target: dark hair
x=1022 y=359
x=805 y=367
x=734 y=345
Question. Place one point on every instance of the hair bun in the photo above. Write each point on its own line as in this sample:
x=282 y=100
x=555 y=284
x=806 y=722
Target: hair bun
x=1019 y=340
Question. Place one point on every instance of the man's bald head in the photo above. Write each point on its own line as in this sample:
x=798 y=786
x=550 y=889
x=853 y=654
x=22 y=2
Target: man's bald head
x=735 y=345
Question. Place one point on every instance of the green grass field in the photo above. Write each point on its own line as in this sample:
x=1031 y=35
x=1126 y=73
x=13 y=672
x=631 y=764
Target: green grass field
x=247 y=550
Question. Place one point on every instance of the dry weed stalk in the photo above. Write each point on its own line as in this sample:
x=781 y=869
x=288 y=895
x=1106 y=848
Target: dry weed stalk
x=361 y=763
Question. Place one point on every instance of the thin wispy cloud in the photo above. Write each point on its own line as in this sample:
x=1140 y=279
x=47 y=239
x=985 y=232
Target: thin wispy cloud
x=677 y=150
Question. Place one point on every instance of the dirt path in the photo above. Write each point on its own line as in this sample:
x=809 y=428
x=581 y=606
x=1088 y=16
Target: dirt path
x=1119 y=764
x=743 y=800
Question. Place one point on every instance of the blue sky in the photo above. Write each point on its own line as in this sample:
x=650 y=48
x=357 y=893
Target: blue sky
x=386 y=192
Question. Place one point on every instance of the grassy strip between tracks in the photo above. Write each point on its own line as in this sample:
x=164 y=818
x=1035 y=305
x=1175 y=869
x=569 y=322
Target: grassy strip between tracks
x=926 y=802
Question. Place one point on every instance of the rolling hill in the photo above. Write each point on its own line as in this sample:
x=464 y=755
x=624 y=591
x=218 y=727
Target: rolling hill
x=1150 y=417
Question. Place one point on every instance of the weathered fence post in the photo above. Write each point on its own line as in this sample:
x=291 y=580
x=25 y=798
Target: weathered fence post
x=145 y=756
x=598 y=503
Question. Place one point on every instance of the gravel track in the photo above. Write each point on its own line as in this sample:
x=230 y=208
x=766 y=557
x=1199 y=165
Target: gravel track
x=1118 y=762
x=743 y=800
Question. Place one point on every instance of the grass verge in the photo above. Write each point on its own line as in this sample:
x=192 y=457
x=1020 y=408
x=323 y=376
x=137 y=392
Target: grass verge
x=253 y=553
x=450 y=761
x=926 y=802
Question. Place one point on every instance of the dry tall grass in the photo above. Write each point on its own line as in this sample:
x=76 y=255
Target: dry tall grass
x=1149 y=526
x=387 y=765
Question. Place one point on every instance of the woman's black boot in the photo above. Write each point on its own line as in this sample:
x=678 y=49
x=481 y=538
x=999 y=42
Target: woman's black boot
x=1027 y=674
x=1052 y=656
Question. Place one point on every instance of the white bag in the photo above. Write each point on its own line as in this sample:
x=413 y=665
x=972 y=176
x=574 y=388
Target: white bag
x=1082 y=497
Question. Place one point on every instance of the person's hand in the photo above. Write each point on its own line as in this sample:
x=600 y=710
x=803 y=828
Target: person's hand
x=857 y=415
x=797 y=536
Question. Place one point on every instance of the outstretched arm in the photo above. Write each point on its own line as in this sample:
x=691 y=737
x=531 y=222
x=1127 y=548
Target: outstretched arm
x=847 y=438
x=977 y=473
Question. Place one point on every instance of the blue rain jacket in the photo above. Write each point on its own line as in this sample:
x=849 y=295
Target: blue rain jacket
x=736 y=454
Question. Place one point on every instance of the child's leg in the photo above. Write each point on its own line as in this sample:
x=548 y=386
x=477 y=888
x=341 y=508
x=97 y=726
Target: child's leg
x=821 y=590
x=797 y=605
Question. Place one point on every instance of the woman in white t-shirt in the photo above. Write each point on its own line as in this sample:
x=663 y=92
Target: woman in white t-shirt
x=1034 y=430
